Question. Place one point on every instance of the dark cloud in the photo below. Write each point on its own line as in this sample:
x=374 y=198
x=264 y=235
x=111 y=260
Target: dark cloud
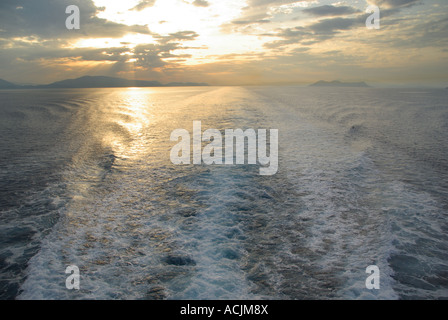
x=393 y=3
x=431 y=33
x=177 y=36
x=316 y=32
x=143 y=4
x=149 y=56
x=329 y=10
x=46 y=19
x=200 y=3
x=330 y=26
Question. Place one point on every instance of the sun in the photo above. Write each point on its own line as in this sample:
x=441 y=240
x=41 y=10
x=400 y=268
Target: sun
x=167 y=17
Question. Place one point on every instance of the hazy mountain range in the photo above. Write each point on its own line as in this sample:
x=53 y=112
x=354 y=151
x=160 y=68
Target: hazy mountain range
x=97 y=82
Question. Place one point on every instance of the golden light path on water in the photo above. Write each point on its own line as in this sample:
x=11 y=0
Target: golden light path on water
x=138 y=123
x=134 y=114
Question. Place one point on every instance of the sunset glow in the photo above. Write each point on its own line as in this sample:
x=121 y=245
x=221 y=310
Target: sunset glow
x=244 y=42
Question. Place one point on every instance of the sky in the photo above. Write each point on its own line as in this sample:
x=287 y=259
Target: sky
x=226 y=42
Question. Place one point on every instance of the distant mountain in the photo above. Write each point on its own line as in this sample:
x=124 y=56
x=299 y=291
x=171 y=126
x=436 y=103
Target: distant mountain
x=7 y=85
x=101 y=82
x=98 y=82
x=336 y=83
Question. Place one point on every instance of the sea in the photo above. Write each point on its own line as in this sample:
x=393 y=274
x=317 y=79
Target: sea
x=86 y=180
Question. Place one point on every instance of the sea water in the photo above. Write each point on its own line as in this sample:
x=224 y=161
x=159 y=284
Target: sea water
x=86 y=180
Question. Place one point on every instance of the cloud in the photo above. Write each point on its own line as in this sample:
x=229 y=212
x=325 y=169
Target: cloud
x=200 y=3
x=326 y=28
x=177 y=36
x=52 y=60
x=245 y=22
x=143 y=4
x=46 y=19
x=390 y=4
x=330 y=26
x=36 y=46
x=259 y=11
x=316 y=32
x=431 y=33
x=329 y=10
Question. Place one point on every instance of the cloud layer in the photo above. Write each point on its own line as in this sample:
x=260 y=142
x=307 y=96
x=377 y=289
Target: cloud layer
x=232 y=42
